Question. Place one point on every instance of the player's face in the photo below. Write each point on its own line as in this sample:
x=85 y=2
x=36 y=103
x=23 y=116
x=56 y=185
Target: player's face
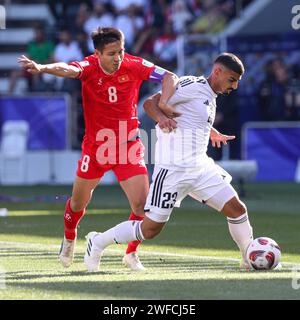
x=228 y=80
x=111 y=56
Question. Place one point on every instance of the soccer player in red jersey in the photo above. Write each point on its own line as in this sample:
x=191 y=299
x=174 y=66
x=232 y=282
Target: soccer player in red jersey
x=111 y=80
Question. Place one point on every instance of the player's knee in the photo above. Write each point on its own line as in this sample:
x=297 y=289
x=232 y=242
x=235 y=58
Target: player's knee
x=242 y=208
x=239 y=209
x=138 y=208
x=234 y=208
x=150 y=233
x=78 y=204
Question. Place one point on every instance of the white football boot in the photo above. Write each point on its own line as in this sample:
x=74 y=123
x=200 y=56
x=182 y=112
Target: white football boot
x=92 y=255
x=244 y=265
x=66 y=253
x=278 y=267
x=132 y=261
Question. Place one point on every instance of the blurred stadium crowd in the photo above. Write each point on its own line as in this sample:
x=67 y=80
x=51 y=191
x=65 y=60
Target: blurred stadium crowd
x=151 y=28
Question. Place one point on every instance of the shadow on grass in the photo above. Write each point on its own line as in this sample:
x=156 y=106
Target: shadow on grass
x=165 y=289
x=211 y=279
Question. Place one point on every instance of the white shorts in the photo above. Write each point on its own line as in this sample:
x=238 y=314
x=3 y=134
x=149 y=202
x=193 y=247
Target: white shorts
x=209 y=185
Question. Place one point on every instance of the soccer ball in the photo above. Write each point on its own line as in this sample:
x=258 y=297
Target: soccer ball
x=263 y=253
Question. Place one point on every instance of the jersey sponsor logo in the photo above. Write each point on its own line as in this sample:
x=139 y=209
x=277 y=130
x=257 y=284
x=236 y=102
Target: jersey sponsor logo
x=186 y=82
x=84 y=63
x=123 y=78
x=201 y=80
x=68 y=217
x=206 y=102
x=142 y=163
x=147 y=63
x=159 y=70
x=211 y=116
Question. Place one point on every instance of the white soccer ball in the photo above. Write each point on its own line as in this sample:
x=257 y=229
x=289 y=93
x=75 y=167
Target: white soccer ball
x=263 y=253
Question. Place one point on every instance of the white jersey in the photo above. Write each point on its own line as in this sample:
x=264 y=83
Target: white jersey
x=187 y=146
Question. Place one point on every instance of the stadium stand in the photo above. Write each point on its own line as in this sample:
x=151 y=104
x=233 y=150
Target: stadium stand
x=183 y=36
x=13 y=149
x=22 y=18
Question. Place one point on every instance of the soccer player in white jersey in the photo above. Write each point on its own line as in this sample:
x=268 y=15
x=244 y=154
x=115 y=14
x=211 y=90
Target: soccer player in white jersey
x=182 y=166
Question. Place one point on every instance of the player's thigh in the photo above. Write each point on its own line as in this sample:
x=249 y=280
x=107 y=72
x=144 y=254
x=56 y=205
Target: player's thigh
x=219 y=200
x=132 y=163
x=89 y=168
x=214 y=188
x=82 y=192
x=167 y=188
x=136 y=189
x=88 y=175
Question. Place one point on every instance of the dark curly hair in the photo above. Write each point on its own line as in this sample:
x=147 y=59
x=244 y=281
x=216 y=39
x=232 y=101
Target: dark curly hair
x=103 y=36
x=231 y=61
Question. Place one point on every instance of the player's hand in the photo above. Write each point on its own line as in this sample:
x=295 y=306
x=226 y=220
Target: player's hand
x=29 y=65
x=169 y=111
x=218 y=138
x=167 y=124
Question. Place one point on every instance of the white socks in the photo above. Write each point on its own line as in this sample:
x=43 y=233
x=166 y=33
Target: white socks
x=239 y=228
x=122 y=233
x=241 y=232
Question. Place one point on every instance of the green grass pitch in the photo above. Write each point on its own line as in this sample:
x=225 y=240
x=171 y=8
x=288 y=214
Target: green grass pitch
x=193 y=258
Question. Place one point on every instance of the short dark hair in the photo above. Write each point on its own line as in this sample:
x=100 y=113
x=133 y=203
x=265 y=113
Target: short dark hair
x=231 y=61
x=103 y=36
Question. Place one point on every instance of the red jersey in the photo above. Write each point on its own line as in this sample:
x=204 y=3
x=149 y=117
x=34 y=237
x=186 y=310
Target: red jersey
x=111 y=98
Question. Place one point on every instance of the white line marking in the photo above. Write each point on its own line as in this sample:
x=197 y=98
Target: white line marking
x=156 y=253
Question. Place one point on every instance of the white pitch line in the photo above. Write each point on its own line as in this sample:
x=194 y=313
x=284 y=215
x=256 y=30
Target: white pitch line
x=166 y=254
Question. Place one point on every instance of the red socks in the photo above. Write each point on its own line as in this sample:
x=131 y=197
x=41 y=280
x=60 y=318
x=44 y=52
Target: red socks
x=71 y=220
x=132 y=246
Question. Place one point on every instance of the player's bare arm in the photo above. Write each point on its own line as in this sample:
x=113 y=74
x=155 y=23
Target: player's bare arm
x=151 y=108
x=59 y=69
x=218 y=138
x=169 y=83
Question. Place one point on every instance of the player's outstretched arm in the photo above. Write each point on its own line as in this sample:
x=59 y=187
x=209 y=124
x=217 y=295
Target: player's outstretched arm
x=155 y=113
x=59 y=69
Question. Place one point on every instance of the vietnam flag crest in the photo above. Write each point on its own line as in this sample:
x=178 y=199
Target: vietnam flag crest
x=123 y=78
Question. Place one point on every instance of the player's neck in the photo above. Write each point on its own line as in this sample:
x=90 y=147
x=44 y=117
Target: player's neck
x=104 y=71
x=210 y=82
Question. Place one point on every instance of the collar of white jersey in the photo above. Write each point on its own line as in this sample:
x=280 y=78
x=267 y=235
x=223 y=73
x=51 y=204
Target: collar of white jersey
x=214 y=94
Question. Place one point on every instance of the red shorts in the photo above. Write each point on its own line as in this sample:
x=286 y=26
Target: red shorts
x=126 y=162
